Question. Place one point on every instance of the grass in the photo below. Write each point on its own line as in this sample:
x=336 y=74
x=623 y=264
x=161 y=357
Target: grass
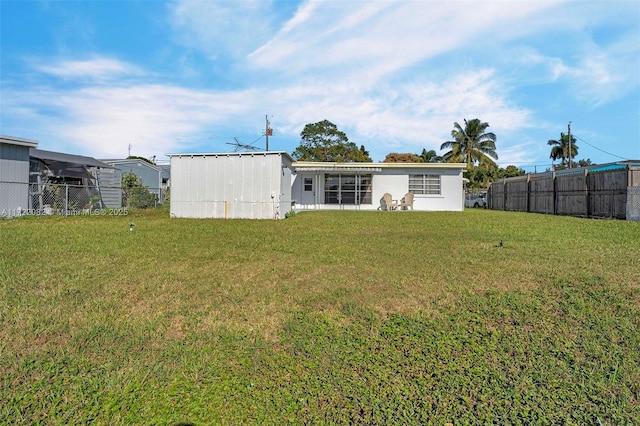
x=322 y=318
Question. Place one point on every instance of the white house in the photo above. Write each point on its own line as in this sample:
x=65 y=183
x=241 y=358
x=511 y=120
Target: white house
x=266 y=185
x=435 y=186
x=244 y=185
x=150 y=175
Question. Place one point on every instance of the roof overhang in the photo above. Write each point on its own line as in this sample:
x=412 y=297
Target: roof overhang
x=10 y=140
x=233 y=154
x=50 y=157
x=372 y=167
x=132 y=161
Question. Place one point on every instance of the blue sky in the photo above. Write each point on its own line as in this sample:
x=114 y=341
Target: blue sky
x=93 y=77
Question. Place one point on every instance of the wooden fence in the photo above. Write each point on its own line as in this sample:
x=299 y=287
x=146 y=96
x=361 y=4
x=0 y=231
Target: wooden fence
x=603 y=191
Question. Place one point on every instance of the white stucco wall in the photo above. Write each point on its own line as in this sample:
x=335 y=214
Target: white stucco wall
x=386 y=178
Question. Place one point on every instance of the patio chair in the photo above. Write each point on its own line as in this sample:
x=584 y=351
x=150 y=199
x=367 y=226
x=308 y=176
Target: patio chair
x=387 y=203
x=406 y=202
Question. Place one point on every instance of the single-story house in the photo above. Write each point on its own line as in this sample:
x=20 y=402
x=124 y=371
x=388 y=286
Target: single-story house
x=149 y=175
x=435 y=186
x=14 y=175
x=267 y=185
x=166 y=176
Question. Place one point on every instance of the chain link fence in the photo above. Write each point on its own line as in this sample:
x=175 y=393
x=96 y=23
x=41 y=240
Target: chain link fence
x=19 y=199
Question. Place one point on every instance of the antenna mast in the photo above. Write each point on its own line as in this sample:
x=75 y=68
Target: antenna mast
x=239 y=145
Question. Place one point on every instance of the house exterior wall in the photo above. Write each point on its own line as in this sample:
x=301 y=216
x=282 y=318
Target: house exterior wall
x=308 y=185
x=149 y=175
x=233 y=185
x=14 y=175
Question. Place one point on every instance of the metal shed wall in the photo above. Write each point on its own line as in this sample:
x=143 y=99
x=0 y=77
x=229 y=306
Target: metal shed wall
x=14 y=175
x=237 y=185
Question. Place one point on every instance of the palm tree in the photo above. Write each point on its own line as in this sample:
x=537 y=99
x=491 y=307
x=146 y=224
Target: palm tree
x=471 y=145
x=430 y=156
x=561 y=148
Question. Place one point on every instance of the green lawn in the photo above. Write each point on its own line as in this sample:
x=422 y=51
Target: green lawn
x=322 y=318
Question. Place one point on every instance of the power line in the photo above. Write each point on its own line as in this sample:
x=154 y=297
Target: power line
x=601 y=150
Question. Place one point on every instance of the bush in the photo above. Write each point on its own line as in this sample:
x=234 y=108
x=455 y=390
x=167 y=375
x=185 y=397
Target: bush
x=137 y=195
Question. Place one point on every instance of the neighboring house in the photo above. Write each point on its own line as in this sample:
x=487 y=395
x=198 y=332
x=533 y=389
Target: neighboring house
x=166 y=176
x=14 y=175
x=150 y=175
x=64 y=182
x=267 y=185
x=435 y=186
x=233 y=185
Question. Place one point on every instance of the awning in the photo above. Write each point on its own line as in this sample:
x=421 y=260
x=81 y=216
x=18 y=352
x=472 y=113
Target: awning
x=340 y=169
x=67 y=165
x=50 y=157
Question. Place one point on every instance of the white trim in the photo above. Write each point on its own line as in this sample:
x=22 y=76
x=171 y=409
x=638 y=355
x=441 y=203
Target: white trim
x=321 y=166
x=11 y=140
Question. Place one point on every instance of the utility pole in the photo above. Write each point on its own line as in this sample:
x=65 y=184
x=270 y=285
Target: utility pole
x=267 y=131
x=129 y=151
x=569 y=136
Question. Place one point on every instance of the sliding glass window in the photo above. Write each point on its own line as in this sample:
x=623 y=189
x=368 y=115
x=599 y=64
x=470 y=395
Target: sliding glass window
x=347 y=189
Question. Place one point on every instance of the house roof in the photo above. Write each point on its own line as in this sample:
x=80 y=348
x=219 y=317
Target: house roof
x=115 y=162
x=11 y=140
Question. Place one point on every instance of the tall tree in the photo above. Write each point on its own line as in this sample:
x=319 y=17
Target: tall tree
x=471 y=144
x=322 y=141
x=560 y=148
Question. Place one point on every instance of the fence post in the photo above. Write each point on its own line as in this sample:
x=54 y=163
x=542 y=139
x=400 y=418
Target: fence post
x=555 y=193
x=528 y=192
x=504 y=194
x=66 y=199
x=586 y=191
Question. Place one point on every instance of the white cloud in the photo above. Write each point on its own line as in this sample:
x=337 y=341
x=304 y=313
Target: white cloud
x=97 y=68
x=382 y=37
x=156 y=119
x=393 y=75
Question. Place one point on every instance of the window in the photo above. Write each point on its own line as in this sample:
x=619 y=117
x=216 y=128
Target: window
x=347 y=189
x=424 y=184
x=308 y=184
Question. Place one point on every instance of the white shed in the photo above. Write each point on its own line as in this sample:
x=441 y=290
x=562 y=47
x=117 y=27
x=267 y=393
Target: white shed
x=248 y=185
x=435 y=186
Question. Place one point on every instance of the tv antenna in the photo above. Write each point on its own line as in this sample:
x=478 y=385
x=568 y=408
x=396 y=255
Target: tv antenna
x=242 y=146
